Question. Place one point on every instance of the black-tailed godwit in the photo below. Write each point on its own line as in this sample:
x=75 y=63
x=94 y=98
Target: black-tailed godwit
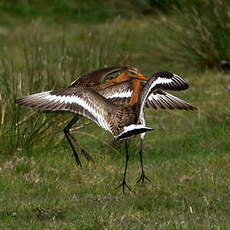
x=88 y=97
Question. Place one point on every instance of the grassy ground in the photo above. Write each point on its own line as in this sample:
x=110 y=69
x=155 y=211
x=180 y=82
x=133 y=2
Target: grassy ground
x=186 y=157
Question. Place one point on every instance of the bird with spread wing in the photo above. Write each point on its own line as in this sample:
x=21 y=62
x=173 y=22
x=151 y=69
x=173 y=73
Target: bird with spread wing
x=106 y=103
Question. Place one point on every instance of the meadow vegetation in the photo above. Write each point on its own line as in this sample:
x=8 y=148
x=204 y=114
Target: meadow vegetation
x=47 y=46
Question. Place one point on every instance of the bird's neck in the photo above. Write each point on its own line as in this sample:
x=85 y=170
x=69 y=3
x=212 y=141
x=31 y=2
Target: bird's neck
x=135 y=97
x=120 y=78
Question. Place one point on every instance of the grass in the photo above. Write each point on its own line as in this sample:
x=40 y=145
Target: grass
x=194 y=39
x=189 y=188
x=186 y=157
x=90 y=11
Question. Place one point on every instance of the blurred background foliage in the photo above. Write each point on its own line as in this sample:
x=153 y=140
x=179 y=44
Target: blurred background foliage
x=196 y=34
x=85 y=10
x=45 y=45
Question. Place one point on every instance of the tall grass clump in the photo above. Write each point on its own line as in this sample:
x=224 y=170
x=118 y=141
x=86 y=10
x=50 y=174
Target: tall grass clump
x=32 y=61
x=198 y=36
x=90 y=11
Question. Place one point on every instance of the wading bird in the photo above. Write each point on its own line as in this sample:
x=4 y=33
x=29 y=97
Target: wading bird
x=93 y=80
x=119 y=91
x=124 y=92
x=85 y=97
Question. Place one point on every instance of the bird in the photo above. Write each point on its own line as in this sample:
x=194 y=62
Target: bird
x=94 y=79
x=83 y=98
x=157 y=99
x=121 y=121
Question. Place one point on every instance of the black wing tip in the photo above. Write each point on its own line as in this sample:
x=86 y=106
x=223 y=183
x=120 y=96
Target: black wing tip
x=181 y=87
x=178 y=83
x=188 y=108
x=191 y=107
x=182 y=82
x=164 y=74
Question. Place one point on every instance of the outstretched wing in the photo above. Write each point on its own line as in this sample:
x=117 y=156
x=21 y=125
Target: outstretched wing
x=157 y=99
x=161 y=80
x=80 y=100
x=119 y=93
x=97 y=76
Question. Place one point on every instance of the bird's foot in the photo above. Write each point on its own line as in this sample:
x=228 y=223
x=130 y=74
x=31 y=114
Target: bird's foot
x=86 y=155
x=123 y=185
x=143 y=178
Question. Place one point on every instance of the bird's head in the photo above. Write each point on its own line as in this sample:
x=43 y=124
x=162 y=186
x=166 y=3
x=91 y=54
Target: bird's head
x=135 y=74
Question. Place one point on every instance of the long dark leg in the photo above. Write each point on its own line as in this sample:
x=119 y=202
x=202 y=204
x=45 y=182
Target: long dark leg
x=142 y=177
x=69 y=137
x=67 y=134
x=124 y=184
x=83 y=152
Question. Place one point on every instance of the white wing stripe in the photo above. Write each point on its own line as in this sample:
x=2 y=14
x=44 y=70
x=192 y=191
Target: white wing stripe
x=125 y=94
x=161 y=80
x=146 y=95
x=78 y=100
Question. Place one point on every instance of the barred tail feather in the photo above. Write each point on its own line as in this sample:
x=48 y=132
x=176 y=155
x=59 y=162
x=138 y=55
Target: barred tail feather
x=133 y=130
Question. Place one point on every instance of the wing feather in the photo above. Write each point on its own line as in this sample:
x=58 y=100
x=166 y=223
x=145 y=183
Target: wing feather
x=96 y=77
x=161 y=80
x=80 y=100
x=157 y=99
x=119 y=93
x=168 y=100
